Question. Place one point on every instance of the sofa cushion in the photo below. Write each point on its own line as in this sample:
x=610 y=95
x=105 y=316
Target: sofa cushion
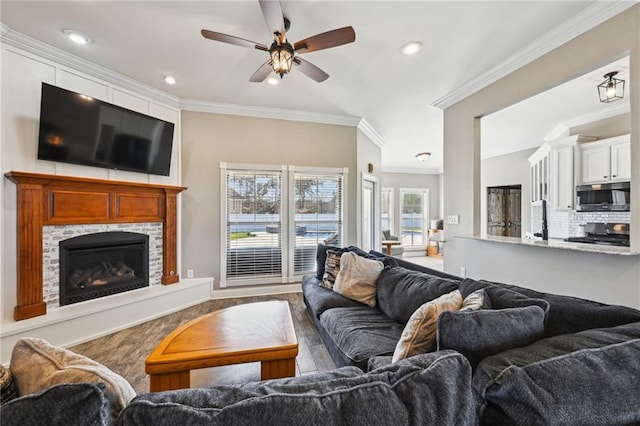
x=419 y=335
x=497 y=373
x=501 y=297
x=401 y=291
x=479 y=334
x=428 y=389
x=572 y=314
x=319 y=299
x=37 y=365
x=396 y=261
x=361 y=332
x=357 y=278
x=77 y=404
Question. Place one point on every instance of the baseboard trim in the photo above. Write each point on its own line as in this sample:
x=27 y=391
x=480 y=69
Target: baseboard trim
x=75 y=324
x=227 y=293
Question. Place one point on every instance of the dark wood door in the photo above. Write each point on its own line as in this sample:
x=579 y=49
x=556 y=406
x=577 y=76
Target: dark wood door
x=504 y=211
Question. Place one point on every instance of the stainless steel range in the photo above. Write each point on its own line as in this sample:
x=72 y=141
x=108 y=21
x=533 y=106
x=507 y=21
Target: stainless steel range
x=613 y=234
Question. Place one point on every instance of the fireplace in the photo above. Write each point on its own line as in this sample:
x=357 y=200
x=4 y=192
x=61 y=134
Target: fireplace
x=101 y=264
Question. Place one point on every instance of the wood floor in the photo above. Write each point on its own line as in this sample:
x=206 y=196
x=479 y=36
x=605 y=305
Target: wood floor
x=125 y=351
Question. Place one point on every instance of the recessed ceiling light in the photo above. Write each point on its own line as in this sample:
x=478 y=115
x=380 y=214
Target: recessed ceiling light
x=77 y=36
x=411 y=48
x=272 y=81
x=423 y=156
x=169 y=79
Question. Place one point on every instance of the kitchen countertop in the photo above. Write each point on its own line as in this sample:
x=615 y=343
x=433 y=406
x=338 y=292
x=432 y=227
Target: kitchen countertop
x=555 y=243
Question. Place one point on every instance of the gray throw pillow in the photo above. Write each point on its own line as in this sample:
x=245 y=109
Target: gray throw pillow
x=479 y=334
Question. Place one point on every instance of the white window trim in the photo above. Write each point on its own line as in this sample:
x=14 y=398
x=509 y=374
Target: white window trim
x=390 y=191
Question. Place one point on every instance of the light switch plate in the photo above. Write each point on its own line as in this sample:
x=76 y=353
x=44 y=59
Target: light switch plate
x=453 y=219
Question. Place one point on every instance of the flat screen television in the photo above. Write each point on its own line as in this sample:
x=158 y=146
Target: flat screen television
x=78 y=129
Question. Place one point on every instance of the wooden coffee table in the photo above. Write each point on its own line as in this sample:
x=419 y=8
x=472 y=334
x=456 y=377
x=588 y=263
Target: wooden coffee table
x=250 y=332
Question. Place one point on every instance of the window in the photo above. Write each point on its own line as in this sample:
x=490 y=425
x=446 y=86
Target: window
x=386 y=209
x=414 y=208
x=317 y=217
x=253 y=223
x=273 y=218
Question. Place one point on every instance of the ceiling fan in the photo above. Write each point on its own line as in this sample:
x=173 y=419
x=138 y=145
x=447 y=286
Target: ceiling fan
x=282 y=55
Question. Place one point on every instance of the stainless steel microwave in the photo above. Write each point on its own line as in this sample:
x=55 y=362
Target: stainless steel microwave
x=615 y=196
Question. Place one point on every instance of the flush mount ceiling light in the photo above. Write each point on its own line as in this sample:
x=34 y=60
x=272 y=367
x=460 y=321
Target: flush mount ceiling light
x=411 y=48
x=611 y=89
x=169 y=79
x=77 y=36
x=423 y=156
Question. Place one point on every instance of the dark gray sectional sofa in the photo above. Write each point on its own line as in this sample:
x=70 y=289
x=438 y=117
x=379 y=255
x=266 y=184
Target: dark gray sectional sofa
x=537 y=358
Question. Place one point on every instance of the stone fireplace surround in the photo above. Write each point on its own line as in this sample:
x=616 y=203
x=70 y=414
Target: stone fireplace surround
x=45 y=200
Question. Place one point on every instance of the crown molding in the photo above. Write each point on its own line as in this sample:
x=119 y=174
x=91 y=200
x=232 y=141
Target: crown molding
x=28 y=44
x=371 y=133
x=587 y=19
x=558 y=131
x=412 y=170
x=196 y=105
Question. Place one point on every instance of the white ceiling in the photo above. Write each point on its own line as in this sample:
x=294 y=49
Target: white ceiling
x=551 y=114
x=370 y=78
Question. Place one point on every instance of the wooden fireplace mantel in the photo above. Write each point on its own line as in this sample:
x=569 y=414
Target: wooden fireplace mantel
x=64 y=200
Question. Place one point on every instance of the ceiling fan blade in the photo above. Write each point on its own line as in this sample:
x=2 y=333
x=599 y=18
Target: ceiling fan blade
x=261 y=73
x=310 y=70
x=326 y=40
x=225 y=38
x=272 y=12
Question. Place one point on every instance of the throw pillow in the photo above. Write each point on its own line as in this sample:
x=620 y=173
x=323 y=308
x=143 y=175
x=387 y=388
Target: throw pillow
x=37 y=365
x=78 y=404
x=479 y=334
x=9 y=391
x=357 y=278
x=331 y=269
x=419 y=335
x=479 y=299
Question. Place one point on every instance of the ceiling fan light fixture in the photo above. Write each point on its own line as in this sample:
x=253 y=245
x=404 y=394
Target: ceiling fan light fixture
x=611 y=89
x=281 y=58
x=272 y=81
x=423 y=156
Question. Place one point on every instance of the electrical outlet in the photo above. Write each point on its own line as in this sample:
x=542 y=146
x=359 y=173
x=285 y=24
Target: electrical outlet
x=463 y=272
x=189 y=273
x=453 y=219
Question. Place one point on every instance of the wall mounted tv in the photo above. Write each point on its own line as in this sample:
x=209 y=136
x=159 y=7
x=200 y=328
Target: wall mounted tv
x=78 y=129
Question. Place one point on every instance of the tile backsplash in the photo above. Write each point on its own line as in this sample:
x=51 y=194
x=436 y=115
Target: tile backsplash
x=563 y=224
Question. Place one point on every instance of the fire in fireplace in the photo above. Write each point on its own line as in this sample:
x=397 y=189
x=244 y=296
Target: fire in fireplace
x=101 y=264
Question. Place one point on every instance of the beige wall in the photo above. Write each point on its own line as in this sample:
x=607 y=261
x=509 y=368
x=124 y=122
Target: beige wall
x=613 y=39
x=208 y=139
x=367 y=152
x=413 y=180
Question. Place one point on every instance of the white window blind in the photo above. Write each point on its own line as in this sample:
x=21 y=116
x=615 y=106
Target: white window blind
x=318 y=216
x=386 y=209
x=273 y=218
x=253 y=224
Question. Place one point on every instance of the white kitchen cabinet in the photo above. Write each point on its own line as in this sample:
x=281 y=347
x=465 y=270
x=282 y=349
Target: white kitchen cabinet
x=539 y=174
x=562 y=177
x=621 y=160
x=606 y=160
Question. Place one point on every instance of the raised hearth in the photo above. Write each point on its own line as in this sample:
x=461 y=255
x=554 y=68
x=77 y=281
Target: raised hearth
x=63 y=200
